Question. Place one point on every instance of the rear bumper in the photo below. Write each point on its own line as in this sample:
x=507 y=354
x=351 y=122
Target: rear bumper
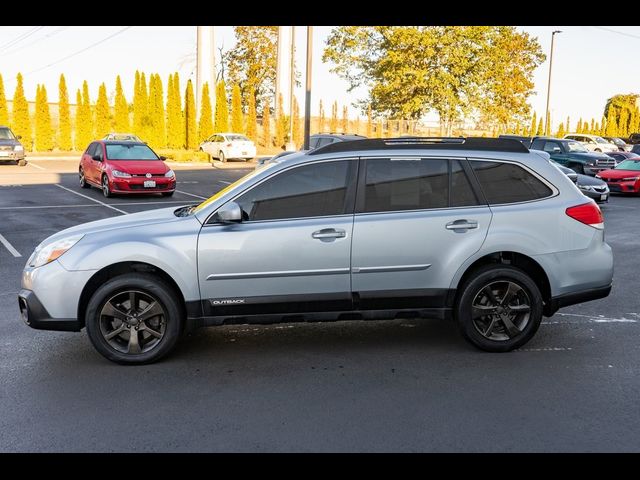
x=35 y=315
x=576 y=297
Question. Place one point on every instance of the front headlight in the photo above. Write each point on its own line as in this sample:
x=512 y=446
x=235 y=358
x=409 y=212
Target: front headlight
x=18 y=148
x=51 y=251
x=630 y=179
x=588 y=188
x=119 y=174
x=170 y=174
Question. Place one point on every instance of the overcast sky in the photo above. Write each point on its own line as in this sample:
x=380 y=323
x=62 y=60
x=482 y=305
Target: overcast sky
x=590 y=63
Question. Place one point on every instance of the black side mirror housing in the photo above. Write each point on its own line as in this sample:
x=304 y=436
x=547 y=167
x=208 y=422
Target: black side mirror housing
x=163 y=158
x=96 y=158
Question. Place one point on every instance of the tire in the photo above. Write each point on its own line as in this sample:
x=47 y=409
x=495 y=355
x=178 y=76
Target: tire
x=221 y=157
x=505 y=329
x=22 y=162
x=577 y=167
x=167 y=194
x=147 y=348
x=106 y=191
x=598 y=150
x=82 y=179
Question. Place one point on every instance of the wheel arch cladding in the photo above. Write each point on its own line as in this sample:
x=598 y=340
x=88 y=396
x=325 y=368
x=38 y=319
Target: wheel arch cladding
x=111 y=271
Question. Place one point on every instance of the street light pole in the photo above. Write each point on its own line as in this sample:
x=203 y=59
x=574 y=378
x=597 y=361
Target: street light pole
x=307 y=98
x=546 y=113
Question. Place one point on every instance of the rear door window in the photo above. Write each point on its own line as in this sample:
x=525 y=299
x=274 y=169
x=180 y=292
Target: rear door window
x=508 y=183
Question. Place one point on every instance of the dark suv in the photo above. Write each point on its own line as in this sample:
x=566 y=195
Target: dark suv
x=10 y=147
x=573 y=154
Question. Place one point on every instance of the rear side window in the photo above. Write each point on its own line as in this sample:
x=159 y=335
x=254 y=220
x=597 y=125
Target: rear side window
x=405 y=184
x=508 y=183
x=461 y=193
x=308 y=191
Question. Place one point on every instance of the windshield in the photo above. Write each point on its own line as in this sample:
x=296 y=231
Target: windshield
x=601 y=140
x=123 y=151
x=237 y=138
x=6 y=134
x=576 y=147
x=241 y=181
x=629 y=165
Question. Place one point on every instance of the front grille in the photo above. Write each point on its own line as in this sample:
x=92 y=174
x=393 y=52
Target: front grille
x=615 y=188
x=600 y=189
x=144 y=175
x=606 y=163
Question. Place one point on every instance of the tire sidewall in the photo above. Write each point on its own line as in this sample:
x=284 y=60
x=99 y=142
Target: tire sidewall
x=106 y=194
x=146 y=283
x=477 y=281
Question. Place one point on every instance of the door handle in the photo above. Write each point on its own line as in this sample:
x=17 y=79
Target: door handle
x=329 y=233
x=462 y=225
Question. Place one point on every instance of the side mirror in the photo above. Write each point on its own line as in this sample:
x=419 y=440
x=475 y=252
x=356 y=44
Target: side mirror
x=573 y=177
x=163 y=158
x=230 y=212
x=18 y=137
x=556 y=150
x=97 y=158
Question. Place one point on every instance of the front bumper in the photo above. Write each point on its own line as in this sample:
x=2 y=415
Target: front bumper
x=35 y=315
x=11 y=155
x=136 y=185
x=623 y=187
x=599 y=197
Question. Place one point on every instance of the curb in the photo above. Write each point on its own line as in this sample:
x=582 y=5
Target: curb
x=233 y=165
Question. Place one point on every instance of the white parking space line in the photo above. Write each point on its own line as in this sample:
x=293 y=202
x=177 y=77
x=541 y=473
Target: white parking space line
x=222 y=181
x=191 y=195
x=590 y=319
x=36 y=166
x=9 y=247
x=92 y=199
x=545 y=349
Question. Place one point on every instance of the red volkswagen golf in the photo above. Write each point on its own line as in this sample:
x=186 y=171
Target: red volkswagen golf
x=624 y=178
x=125 y=167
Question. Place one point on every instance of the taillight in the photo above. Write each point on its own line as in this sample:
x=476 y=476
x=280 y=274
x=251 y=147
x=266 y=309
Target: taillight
x=587 y=213
x=228 y=144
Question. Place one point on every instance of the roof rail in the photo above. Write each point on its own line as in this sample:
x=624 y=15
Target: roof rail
x=428 y=143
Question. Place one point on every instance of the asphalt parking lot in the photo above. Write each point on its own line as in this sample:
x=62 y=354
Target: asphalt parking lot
x=399 y=385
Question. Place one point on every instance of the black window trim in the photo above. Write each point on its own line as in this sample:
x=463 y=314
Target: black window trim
x=554 y=190
x=475 y=185
x=350 y=194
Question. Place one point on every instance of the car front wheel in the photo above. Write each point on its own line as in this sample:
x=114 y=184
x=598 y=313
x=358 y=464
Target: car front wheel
x=499 y=308
x=221 y=157
x=106 y=190
x=134 y=319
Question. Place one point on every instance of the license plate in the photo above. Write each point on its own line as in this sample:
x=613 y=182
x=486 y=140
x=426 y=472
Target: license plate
x=244 y=153
x=149 y=183
x=4 y=154
x=603 y=198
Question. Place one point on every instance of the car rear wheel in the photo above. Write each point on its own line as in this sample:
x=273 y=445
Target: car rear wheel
x=106 y=190
x=134 y=319
x=499 y=308
x=598 y=150
x=22 y=162
x=82 y=179
x=221 y=156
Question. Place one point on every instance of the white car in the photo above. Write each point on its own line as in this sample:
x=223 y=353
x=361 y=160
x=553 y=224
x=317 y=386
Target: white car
x=229 y=145
x=593 y=143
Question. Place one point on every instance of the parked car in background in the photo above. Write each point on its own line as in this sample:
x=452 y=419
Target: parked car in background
x=622 y=156
x=635 y=148
x=264 y=160
x=225 y=146
x=620 y=143
x=573 y=154
x=634 y=138
x=526 y=141
x=593 y=143
x=444 y=228
x=10 y=147
x=625 y=178
x=318 y=140
x=125 y=168
x=123 y=137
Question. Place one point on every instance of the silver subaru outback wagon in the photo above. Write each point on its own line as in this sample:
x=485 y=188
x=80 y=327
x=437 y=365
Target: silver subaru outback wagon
x=479 y=230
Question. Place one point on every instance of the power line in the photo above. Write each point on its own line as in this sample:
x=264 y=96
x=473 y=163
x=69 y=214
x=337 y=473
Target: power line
x=21 y=37
x=79 y=51
x=618 y=32
x=51 y=34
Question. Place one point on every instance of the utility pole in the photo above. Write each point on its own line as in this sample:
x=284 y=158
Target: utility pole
x=205 y=65
x=546 y=112
x=307 y=98
x=291 y=145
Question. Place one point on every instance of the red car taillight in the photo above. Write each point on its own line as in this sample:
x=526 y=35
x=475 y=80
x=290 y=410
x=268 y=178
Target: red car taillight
x=587 y=213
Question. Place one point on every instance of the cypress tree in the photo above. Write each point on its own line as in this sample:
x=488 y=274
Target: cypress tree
x=161 y=125
x=179 y=113
x=205 y=124
x=597 y=129
x=64 y=116
x=191 y=135
x=321 y=119
x=612 y=123
x=221 y=122
x=579 y=126
x=4 y=113
x=281 y=123
x=534 y=124
x=369 y=122
x=137 y=106
x=43 y=130
x=379 y=129
x=79 y=137
x=21 y=121
x=592 y=129
x=333 y=123
x=173 y=112
x=237 y=120
x=603 y=126
x=623 y=122
x=345 y=119
x=568 y=125
x=87 y=114
x=121 y=119
x=266 y=126
x=297 y=124
x=540 y=130
x=252 y=118
x=155 y=112
x=356 y=127
x=561 y=132
x=103 y=120
x=144 y=108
